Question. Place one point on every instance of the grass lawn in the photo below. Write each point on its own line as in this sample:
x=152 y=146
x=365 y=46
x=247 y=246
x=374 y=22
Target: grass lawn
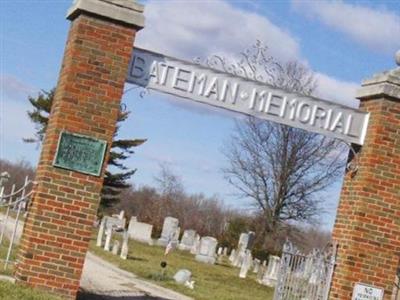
x=220 y=281
x=10 y=291
x=3 y=255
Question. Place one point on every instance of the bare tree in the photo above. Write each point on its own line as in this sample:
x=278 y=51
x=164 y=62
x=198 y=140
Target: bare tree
x=18 y=171
x=168 y=182
x=280 y=168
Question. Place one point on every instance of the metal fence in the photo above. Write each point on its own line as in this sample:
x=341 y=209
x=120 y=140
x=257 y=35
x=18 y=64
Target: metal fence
x=305 y=277
x=11 y=208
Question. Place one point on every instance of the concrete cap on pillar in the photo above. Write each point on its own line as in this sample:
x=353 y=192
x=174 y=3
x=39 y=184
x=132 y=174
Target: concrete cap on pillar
x=385 y=84
x=126 y=11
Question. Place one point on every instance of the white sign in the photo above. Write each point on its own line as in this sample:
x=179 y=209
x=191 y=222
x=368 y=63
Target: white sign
x=205 y=85
x=366 y=292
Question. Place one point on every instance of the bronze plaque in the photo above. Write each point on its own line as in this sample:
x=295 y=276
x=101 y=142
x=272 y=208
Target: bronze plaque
x=80 y=153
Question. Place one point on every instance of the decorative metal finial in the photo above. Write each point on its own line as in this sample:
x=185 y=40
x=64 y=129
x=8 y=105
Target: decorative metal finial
x=397 y=56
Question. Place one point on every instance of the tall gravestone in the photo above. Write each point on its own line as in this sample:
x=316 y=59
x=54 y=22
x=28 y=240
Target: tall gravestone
x=169 y=232
x=367 y=226
x=74 y=153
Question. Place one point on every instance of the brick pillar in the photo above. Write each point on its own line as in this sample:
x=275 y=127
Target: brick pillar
x=367 y=225
x=61 y=215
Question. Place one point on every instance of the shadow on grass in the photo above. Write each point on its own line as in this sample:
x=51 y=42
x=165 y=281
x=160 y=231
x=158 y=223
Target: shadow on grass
x=83 y=295
x=223 y=265
x=137 y=258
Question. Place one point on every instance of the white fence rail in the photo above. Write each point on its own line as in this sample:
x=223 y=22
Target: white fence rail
x=305 y=277
x=15 y=203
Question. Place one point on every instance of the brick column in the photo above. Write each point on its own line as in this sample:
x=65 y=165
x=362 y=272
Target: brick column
x=61 y=215
x=368 y=219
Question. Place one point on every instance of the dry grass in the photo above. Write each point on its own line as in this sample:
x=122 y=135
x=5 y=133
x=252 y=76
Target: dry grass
x=11 y=291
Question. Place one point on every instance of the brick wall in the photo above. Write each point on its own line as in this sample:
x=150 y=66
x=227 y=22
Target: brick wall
x=59 y=223
x=368 y=218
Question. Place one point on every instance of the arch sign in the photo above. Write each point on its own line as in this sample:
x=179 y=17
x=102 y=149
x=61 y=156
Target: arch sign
x=98 y=57
x=205 y=85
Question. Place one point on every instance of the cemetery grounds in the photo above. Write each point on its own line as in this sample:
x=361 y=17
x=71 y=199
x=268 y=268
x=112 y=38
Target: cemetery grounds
x=220 y=281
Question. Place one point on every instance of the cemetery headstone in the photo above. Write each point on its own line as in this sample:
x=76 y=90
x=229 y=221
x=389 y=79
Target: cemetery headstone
x=243 y=241
x=207 y=248
x=175 y=237
x=115 y=223
x=256 y=265
x=140 y=231
x=260 y=273
x=270 y=276
x=182 y=276
x=107 y=244
x=188 y=240
x=196 y=245
x=241 y=249
x=169 y=232
x=250 y=240
x=246 y=265
x=100 y=234
x=125 y=248
x=115 y=248
x=232 y=256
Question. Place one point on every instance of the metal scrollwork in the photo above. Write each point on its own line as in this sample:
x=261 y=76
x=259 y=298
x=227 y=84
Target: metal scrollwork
x=254 y=63
x=142 y=91
x=353 y=160
x=122 y=107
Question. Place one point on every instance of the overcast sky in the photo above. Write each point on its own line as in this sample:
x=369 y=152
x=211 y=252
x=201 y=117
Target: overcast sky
x=343 y=42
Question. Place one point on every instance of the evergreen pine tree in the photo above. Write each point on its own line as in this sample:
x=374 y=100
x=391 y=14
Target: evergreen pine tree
x=121 y=149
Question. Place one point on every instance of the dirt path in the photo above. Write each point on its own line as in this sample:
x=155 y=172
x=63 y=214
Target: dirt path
x=103 y=281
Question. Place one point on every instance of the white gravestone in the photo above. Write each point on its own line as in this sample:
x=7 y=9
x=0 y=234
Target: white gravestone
x=101 y=232
x=220 y=250
x=232 y=256
x=271 y=275
x=182 y=276
x=260 y=273
x=115 y=248
x=107 y=244
x=207 y=248
x=175 y=237
x=225 y=252
x=196 y=245
x=125 y=248
x=188 y=240
x=140 y=231
x=241 y=249
x=169 y=231
x=114 y=223
x=246 y=265
x=256 y=265
x=243 y=240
